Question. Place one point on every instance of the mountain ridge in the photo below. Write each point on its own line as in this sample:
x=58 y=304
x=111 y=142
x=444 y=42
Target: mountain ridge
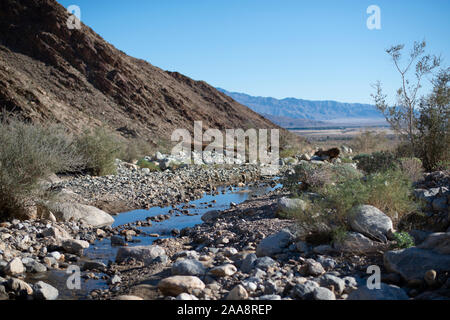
x=305 y=109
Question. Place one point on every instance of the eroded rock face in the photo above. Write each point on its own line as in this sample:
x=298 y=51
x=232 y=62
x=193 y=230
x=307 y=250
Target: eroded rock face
x=40 y=58
x=413 y=263
x=371 y=222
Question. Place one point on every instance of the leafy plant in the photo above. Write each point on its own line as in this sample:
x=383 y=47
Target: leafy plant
x=403 y=240
x=99 y=148
x=30 y=153
x=377 y=162
x=149 y=165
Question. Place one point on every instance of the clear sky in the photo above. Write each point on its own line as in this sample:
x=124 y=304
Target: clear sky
x=318 y=50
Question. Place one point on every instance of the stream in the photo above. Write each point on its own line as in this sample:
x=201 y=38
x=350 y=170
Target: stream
x=102 y=250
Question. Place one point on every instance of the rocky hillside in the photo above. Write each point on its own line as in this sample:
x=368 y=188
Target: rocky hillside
x=74 y=77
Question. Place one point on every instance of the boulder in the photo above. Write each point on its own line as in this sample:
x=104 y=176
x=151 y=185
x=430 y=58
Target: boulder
x=237 y=293
x=44 y=291
x=386 y=292
x=225 y=270
x=371 y=222
x=264 y=263
x=14 y=267
x=323 y=294
x=355 y=242
x=66 y=211
x=19 y=286
x=173 y=286
x=248 y=263
x=438 y=242
x=413 y=263
x=328 y=280
x=304 y=291
x=287 y=204
x=55 y=232
x=314 y=268
x=188 y=267
x=140 y=253
x=275 y=243
x=210 y=216
x=186 y=297
x=74 y=246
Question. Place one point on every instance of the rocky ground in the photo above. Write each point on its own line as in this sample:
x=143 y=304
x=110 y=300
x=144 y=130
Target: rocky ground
x=245 y=252
x=134 y=188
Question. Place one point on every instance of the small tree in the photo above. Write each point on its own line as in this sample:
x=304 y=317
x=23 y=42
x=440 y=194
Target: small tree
x=402 y=116
x=433 y=135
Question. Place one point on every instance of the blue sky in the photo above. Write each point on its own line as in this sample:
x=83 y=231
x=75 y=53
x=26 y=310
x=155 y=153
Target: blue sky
x=318 y=50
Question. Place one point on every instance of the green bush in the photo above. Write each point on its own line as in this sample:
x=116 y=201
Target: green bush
x=288 y=153
x=29 y=153
x=432 y=143
x=377 y=162
x=390 y=191
x=312 y=177
x=149 y=165
x=403 y=240
x=99 y=148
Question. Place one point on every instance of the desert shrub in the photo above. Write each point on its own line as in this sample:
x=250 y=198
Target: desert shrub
x=377 y=162
x=99 y=148
x=149 y=165
x=288 y=153
x=343 y=172
x=307 y=176
x=443 y=165
x=29 y=153
x=135 y=149
x=389 y=191
x=403 y=240
x=346 y=160
x=313 y=177
x=412 y=168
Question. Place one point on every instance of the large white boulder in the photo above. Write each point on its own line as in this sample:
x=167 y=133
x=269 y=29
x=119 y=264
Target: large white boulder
x=371 y=222
x=65 y=211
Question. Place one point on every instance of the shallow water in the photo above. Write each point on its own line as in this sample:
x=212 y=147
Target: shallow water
x=102 y=250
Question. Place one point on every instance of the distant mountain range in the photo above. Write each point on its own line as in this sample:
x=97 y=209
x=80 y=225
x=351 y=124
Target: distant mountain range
x=286 y=110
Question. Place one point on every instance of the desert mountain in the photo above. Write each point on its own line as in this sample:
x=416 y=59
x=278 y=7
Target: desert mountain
x=306 y=109
x=73 y=77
